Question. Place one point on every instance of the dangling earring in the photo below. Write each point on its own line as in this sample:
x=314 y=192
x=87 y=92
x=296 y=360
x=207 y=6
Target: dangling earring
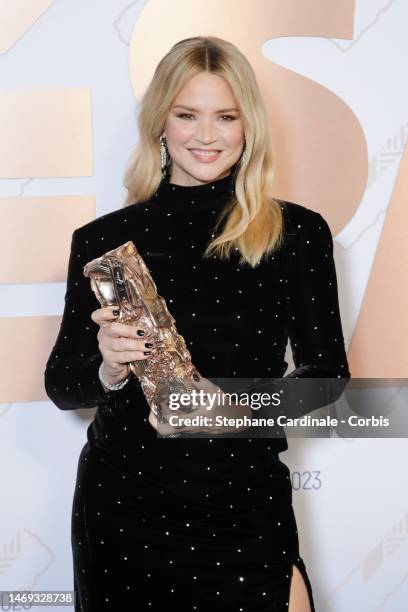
x=163 y=156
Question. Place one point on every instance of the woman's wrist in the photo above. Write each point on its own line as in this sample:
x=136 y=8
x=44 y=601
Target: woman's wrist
x=113 y=381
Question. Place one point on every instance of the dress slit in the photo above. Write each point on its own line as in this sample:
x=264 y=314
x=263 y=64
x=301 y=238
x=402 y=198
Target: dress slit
x=302 y=569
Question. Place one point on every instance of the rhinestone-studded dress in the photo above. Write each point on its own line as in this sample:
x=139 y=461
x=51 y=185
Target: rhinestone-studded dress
x=206 y=523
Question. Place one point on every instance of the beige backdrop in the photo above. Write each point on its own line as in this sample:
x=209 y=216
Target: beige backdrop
x=333 y=76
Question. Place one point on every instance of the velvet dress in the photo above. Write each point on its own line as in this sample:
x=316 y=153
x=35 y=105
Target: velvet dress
x=194 y=523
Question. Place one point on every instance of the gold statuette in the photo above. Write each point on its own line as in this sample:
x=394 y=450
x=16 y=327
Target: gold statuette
x=121 y=278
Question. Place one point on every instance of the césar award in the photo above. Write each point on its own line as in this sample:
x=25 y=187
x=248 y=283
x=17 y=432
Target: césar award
x=121 y=278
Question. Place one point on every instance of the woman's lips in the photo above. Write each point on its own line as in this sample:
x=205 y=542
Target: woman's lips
x=205 y=157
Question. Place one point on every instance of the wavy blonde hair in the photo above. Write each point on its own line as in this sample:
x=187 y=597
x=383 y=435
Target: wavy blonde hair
x=253 y=219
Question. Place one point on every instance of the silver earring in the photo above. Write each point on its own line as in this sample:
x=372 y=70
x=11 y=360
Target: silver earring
x=163 y=156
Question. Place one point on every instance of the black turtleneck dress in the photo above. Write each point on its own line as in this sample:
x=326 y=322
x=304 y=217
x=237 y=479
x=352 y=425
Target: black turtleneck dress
x=207 y=522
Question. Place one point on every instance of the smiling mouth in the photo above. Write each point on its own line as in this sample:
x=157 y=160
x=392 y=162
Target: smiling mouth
x=205 y=155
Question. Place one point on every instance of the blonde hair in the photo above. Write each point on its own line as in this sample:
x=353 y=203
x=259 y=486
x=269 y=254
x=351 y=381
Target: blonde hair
x=253 y=218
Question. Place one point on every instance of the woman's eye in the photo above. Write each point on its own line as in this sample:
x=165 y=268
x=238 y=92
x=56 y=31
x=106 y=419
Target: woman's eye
x=188 y=115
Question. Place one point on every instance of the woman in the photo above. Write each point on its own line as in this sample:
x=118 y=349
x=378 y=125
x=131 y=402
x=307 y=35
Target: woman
x=207 y=521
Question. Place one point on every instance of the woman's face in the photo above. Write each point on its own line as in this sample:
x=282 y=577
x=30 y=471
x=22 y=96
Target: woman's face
x=204 y=131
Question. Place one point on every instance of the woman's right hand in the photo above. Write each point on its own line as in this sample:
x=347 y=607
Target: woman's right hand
x=119 y=344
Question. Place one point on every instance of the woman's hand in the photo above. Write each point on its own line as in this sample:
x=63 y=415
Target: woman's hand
x=119 y=344
x=206 y=411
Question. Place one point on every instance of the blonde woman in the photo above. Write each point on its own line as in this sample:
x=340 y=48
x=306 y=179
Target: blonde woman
x=205 y=521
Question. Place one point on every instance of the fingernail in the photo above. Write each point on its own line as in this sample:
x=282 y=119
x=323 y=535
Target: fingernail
x=115 y=313
x=140 y=332
x=148 y=345
x=147 y=352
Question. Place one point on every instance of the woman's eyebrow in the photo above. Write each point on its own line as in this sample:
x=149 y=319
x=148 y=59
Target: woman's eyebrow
x=195 y=110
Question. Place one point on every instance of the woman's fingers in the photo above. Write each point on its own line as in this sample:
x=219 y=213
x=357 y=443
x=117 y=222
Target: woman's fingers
x=153 y=420
x=164 y=429
x=126 y=356
x=104 y=315
x=125 y=340
x=120 y=343
x=113 y=329
x=130 y=344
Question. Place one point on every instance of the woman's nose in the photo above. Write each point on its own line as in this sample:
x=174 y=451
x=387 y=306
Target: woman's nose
x=206 y=132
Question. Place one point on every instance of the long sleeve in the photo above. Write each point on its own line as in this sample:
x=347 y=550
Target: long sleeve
x=315 y=329
x=71 y=374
